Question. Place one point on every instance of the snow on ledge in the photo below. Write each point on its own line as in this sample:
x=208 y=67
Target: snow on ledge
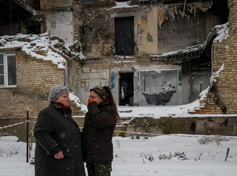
x=216 y=75
x=223 y=32
x=123 y=5
x=73 y=97
x=38 y=46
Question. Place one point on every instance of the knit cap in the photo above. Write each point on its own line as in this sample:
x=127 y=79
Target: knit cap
x=56 y=92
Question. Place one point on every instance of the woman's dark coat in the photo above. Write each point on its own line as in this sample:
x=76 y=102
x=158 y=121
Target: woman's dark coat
x=55 y=130
x=98 y=130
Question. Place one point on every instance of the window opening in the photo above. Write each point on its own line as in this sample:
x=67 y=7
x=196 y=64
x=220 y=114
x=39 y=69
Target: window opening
x=1 y=70
x=124 y=35
x=11 y=68
x=7 y=70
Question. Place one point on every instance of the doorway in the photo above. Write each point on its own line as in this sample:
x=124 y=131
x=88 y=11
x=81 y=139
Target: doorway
x=200 y=81
x=126 y=89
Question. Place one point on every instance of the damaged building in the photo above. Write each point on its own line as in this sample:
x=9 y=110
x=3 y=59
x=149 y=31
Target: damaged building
x=155 y=52
x=149 y=52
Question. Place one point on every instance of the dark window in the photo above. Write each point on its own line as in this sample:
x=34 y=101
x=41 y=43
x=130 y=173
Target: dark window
x=124 y=36
x=11 y=66
x=1 y=70
x=7 y=70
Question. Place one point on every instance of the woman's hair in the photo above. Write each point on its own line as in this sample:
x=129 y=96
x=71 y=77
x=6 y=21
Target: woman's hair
x=106 y=92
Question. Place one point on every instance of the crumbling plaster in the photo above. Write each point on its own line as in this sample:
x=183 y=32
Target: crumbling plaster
x=60 y=24
x=51 y=4
x=82 y=79
x=94 y=27
x=193 y=25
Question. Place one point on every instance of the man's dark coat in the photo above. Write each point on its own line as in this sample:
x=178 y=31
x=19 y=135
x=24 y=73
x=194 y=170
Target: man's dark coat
x=55 y=130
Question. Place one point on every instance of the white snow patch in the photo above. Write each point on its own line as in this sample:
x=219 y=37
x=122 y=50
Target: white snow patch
x=133 y=157
x=223 y=33
x=123 y=5
x=73 y=97
x=32 y=45
x=216 y=75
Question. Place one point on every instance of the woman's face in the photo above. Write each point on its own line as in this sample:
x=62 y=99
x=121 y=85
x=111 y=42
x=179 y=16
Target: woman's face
x=64 y=99
x=95 y=97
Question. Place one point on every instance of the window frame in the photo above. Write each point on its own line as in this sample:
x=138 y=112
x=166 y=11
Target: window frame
x=5 y=71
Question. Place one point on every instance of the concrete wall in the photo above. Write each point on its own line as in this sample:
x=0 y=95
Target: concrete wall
x=220 y=125
x=35 y=77
x=52 y=4
x=146 y=31
x=60 y=24
x=82 y=79
x=157 y=29
x=191 y=125
x=178 y=31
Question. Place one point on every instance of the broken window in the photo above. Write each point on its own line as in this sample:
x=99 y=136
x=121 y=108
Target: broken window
x=124 y=35
x=7 y=70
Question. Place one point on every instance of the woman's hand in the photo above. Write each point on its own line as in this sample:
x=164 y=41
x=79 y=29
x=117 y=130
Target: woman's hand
x=59 y=155
x=90 y=100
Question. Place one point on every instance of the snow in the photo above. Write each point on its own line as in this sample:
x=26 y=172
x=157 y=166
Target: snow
x=74 y=98
x=157 y=112
x=38 y=46
x=175 y=111
x=123 y=5
x=144 y=157
x=216 y=74
x=223 y=32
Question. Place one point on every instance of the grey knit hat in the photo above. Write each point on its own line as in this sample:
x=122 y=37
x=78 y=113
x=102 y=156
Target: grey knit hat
x=56 y=92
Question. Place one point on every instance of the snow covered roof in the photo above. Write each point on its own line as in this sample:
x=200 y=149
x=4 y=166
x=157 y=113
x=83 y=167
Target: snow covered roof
x=218 y=33
x=39 y=46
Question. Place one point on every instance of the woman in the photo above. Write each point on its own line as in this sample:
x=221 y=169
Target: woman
x=58 y=138
x=100 y=121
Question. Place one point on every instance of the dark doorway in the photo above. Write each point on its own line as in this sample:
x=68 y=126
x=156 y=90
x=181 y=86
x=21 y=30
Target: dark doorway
x=200 y=81
x=126 y=89
x=34 y=28
x=124 y=36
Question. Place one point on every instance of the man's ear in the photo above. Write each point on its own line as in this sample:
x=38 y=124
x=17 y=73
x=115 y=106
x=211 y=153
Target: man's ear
x=104 y=97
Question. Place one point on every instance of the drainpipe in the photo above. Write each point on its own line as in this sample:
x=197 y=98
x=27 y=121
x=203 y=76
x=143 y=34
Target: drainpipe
x=185 y=1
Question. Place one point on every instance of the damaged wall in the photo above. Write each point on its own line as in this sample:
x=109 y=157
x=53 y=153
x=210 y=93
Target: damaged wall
x=96 y=33
x=52 y=4
x=157 y=29
x=60 y=24
x=82 y=79
x=178 y=31
x=97 y=73
x=147 y=31
x=35 y=77
x=222 y=96
x=181 y=125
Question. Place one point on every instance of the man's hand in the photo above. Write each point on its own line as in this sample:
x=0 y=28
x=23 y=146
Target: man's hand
x=59 y=155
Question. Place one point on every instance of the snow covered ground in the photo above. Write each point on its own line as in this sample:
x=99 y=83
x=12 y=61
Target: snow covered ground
x=161 y=156
x=162 y=111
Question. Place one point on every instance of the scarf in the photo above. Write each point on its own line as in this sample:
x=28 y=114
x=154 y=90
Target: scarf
x=67 y=108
